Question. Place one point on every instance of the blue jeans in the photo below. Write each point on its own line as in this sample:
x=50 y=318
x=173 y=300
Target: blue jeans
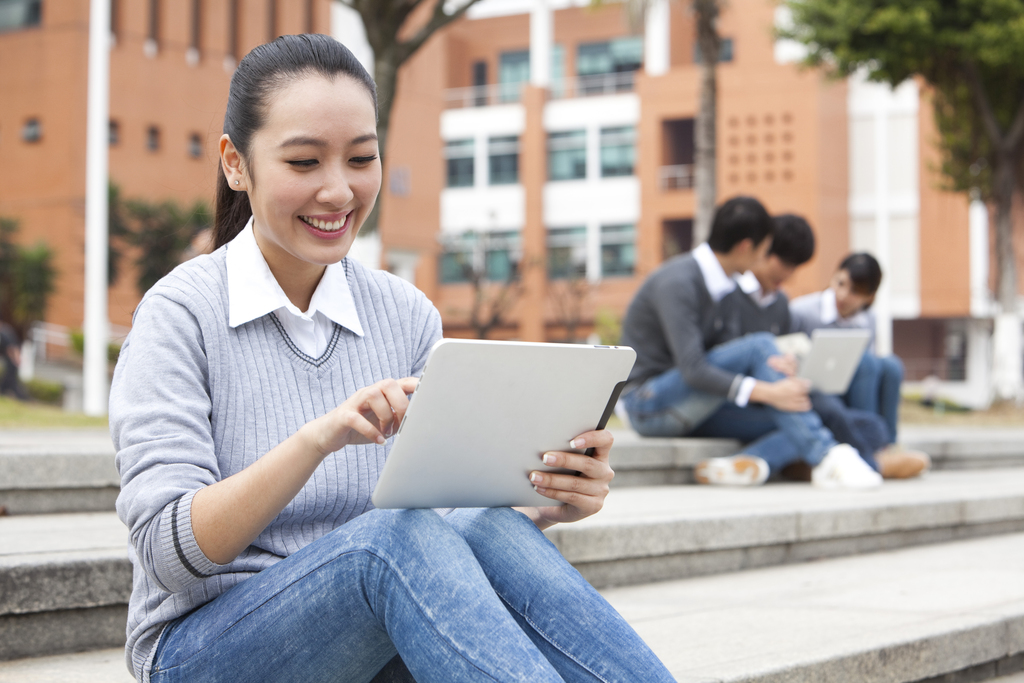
x=480 y=595
x=875 y=388
x=665 y=405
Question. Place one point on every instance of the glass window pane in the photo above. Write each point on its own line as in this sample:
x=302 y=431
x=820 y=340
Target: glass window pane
x=567 y=252
x=503 y=154
x=567 y=155
x=618 y=151
x=618 y=250
x=459 y=155
x=16 y=14
x=513 y=71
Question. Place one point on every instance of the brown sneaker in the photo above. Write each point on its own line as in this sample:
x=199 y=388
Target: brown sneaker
x=896 y=462
x=735 y=470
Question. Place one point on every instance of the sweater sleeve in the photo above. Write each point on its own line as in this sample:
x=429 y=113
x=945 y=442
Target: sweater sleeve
x=678 y=308
x=160 y=411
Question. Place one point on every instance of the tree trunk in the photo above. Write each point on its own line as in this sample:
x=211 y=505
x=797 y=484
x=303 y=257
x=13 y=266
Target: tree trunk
x=1008 y=364
x=705 y=170
x=385 y=73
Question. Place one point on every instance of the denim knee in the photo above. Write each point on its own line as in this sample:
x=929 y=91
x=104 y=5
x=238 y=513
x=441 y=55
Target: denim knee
x=763 y=343
x=892 y=367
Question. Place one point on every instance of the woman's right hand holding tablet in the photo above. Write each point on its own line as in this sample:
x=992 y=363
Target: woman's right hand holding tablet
x=370 y=415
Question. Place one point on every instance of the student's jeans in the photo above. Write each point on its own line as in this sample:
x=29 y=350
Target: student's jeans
x=875 y=388
x=665 y=405
x=479 y=595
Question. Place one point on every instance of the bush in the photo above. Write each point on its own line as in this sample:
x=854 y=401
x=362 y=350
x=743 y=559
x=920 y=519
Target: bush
x=46 y=392
x=78 y=345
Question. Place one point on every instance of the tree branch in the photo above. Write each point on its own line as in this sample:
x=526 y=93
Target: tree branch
x=438 y=20
x=981 y=101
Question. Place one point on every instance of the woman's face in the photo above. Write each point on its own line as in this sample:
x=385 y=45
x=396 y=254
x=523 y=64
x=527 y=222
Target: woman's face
x=313 y=171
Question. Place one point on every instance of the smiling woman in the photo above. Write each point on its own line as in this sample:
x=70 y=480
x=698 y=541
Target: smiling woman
x=252 y=406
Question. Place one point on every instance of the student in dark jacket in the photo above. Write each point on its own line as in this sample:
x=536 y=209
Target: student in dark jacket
x=683 y=371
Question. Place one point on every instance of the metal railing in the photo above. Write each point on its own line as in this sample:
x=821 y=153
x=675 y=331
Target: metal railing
x=677 y=177
x=507 y=93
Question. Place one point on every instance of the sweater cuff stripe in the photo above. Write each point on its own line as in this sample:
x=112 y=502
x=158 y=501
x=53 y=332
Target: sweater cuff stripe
x=177 y=545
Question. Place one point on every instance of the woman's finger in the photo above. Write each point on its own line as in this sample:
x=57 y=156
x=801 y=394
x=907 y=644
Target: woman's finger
x=567 y=482
x=600 y=440
x=590 y=466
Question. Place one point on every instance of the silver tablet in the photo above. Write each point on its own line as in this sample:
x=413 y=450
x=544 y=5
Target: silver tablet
x=485 y=412
x=833 y=358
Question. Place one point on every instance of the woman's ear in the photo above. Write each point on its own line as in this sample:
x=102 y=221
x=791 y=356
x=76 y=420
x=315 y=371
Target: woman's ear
x=231 y=162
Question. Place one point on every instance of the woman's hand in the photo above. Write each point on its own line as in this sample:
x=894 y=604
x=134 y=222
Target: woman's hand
x=582 y=494
x=370 y=415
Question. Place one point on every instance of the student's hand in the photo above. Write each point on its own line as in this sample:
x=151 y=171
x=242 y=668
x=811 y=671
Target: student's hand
x=788 y=394
x=786 y=364
x=370 y=415
x=584 y=494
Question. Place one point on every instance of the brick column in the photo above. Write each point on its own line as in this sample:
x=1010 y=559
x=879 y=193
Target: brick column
x=533 y=175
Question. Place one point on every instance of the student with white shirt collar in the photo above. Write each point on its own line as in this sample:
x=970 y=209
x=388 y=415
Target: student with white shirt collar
x=846 y=304
x=686 y=382
x=251 y=410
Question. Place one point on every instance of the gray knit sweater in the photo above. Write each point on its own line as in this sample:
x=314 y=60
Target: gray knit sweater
x=194 y=401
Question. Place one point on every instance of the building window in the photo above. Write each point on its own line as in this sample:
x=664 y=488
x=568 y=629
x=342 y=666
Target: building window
x=113 y=133
x=152 y=44
x=618 y=151
x=513 y=72
x=610 y=57
x=567 y=252
x=271 y=20
x=459 y=157
x=195 y=32
x=480 y=83
x=618 y=250
x=724 y=51
x=567 y=155
x=32 y=131
x=152 y=138
x=18 y=14
x=503 y=155
x=195 y=145
x=494 y=256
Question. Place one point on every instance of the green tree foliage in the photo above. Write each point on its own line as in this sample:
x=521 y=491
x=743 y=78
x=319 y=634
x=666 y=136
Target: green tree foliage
x=971 y=52
x=162 y=233
x=159 y=234
x=27 y=279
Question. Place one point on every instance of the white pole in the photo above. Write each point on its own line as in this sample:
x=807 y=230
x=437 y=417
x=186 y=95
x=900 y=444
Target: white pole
x=96 y=327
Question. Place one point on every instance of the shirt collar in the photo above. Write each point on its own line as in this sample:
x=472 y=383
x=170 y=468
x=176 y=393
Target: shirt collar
x=829 y=310
x=253 y=291
x=715 y=278
x=751 y=286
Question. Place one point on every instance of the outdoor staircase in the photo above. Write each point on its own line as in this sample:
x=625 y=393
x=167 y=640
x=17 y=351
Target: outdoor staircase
x=921 y=580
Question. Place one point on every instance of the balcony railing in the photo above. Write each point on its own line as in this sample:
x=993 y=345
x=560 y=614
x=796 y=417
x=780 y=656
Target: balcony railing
x=677 y=177
x=507 y=93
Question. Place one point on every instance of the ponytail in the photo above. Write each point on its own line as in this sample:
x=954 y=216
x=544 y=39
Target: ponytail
x=232 y=212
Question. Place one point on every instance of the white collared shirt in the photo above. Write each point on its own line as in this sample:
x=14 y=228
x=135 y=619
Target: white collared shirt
x=717 y=281
x=253 y=292
x=751 y=286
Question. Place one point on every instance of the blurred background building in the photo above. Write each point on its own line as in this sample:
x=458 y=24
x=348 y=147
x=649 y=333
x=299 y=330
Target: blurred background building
x=540 y=159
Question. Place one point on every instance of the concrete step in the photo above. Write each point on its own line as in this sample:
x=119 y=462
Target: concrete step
x=640 y=461
x=56 y=570
x=919 y=614
x=667 y=532
x=44 y=472
x=48 y=471
x=949 y=613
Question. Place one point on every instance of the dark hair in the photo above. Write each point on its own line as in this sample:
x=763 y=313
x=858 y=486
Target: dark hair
x=736 y=220
x=865 y=273
x=792 y=239
x=267 y=68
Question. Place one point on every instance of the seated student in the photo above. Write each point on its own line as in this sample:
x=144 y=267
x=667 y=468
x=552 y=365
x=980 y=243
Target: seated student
x=846 y=303
x=682 y=373
x=759 y=305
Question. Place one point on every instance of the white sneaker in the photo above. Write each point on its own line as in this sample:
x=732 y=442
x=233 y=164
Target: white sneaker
x=843 y=468
x=734 y=470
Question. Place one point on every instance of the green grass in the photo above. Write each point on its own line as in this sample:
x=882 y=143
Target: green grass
x=14 y=414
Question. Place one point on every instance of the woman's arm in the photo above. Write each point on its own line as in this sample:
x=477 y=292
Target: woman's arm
x=228 y=515
x=584 y=494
